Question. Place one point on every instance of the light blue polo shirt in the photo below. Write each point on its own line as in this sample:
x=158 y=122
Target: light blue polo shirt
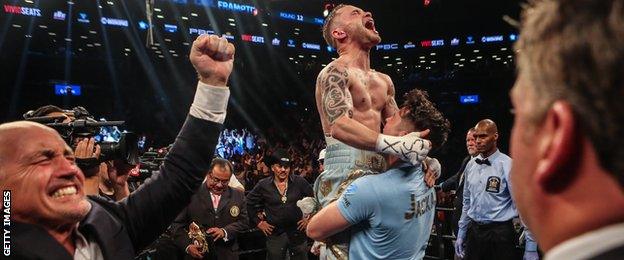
x=391 y=214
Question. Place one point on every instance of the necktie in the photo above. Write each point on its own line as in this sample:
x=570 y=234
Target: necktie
x=215 y=200
x=483 y=161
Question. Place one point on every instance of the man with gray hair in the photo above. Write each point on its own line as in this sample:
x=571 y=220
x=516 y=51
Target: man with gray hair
x=567 y=140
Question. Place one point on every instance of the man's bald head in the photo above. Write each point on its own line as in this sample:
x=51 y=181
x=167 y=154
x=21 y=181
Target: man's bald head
x=487 y=125
x=486 y=137
x=11 y=135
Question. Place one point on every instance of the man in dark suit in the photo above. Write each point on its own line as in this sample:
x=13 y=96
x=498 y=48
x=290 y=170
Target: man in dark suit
x=219 y=210
x=567 y=140
x=456 y=182
x=51 y=218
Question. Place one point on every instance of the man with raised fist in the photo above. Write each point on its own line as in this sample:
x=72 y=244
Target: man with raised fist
x=50 y=209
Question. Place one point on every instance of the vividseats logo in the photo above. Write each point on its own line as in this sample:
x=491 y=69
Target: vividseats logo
x=13 y=9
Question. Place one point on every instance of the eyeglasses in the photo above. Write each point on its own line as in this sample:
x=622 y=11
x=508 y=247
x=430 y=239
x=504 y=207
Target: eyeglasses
x=215 y=180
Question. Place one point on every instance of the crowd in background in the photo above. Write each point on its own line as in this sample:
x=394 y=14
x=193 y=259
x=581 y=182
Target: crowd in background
x=247 y=151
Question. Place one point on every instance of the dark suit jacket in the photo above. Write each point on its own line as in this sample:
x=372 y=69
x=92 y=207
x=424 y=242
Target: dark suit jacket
x=231 y=215
x=123 y=228
x=616 y=253
x=456 y=182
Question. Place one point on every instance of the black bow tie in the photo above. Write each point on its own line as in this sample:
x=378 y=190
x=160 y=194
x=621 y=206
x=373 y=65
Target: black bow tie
x=483 y=161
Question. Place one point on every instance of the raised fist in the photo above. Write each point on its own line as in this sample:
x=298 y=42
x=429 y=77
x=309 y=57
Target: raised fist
x=213 y=58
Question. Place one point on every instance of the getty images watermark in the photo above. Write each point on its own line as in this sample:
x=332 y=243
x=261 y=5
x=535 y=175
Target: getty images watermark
x=6 y=222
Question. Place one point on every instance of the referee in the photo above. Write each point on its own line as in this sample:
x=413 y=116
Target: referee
x=486 y=222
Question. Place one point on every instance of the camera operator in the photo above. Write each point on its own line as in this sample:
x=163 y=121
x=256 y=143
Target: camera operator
x=50 y=210
x=108 y=178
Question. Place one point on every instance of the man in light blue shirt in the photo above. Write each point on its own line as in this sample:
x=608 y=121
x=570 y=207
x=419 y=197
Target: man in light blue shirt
x=488 y=209
x=390 y=214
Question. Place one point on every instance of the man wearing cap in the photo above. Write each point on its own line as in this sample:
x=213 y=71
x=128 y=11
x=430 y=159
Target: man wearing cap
x=321 y=160
x=273 y=209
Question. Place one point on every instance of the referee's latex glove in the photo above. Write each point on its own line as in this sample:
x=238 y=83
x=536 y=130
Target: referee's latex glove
x=530 y=255
x=459 y=247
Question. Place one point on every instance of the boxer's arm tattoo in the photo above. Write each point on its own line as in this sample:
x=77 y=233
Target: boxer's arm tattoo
x=336 y=98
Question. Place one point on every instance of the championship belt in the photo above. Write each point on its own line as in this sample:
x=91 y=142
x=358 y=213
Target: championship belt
x=198 y=237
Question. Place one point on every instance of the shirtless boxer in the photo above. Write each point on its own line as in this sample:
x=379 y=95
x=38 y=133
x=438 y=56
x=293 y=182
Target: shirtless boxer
x=353 y=100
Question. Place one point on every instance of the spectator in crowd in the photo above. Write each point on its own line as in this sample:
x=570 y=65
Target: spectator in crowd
x=392 y=212
x=219 y=210
x=321 y=160
x=273 y=209
x=456 y=182
x=486 y=221
x=51 y=218
x=567 y=145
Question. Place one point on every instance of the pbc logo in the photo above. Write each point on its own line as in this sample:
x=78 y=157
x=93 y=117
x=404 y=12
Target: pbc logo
x=385 y=47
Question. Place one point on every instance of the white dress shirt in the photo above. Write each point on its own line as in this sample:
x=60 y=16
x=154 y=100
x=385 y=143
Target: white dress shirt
x=589 y=244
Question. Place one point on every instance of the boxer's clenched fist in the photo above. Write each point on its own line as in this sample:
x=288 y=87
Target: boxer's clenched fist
x=213 y=58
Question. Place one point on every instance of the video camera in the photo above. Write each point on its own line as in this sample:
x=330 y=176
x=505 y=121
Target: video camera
x=150 y=163
x=77 y=123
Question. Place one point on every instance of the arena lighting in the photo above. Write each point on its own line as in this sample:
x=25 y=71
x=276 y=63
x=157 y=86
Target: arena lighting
x=143 y=25
x=454 y=42
x=171 y=28
x=114 y=21
x=59 y=15
x=493 y=38
x=469 y=99
x=291 y=43
x=67 y=90
x=469 y=40
x=83 y=18
x=409 y=45
x=311 y=46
